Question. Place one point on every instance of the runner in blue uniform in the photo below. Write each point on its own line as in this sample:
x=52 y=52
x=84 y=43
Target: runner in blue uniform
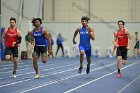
x=40 y=35
x=86 y=33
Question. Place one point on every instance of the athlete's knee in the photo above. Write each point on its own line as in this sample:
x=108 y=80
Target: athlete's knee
x=34 y=54
x=44 y=58
x=124 y=62
x=15 y=58
x=82 y=52
x=15 y=55
x=118 y=58
x=44 y=55
x=7 y=57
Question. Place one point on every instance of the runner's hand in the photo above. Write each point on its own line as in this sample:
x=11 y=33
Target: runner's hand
x=14 y=44
x=74 y=42
x=50 y=51
x=128 y=48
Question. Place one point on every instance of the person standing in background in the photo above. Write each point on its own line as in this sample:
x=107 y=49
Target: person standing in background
x=28 y=40
x=136 y=47
x=59 y=44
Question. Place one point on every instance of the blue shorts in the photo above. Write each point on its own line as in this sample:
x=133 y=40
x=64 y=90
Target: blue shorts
x=87 y=50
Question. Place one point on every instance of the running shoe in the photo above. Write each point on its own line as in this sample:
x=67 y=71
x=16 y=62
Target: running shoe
x=80 y=70
x=37 y=76
x=119 y=75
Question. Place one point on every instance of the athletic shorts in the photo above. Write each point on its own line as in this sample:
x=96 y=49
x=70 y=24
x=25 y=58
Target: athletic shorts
x=122 y=51
x=40 y=50
x=12 y=51
x=87 y=50
x=136 y=46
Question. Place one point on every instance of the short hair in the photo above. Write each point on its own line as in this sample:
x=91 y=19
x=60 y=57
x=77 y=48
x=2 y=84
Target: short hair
x=85 y=18
x=136 y=32
x=34 y=19
x=12 y=18
x=122 y=22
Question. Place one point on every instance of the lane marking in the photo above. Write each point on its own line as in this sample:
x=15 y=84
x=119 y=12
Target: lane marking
x=97 y=79
x=56 y=81
x=128 y=84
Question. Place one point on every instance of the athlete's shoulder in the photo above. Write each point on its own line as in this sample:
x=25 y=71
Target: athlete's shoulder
x=126 y=31
x=18 y=32
x=78 y=29
x=32 y=32
x=6 y=30
x=44 y=31
x=90 y=28
x=115 y=32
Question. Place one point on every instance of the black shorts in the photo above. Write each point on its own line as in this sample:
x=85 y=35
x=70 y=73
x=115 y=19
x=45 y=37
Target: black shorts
x=40 y=49
x=122 y=51
x=136 y=46
x=12 y=51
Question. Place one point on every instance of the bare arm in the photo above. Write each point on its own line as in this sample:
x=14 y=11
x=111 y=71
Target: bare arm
x=115 y=39
x=19 y=38
x=45 y=32
x=75 y=34
x=32 y=38
x=19 y=33
x=130 y=38
x=92 y=35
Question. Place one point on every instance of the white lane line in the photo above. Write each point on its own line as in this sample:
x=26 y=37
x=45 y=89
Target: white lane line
x=41 y=77
x=56 y=81
x=27 y=68
x=40 y=71
x=12 y=67
x=10 y=64
x=20 y=65
x=97 y=79
x=128 y=84
x=34 y=72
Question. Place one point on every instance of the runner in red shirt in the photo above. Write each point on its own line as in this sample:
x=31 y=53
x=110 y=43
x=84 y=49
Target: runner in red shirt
x=13 y=38
x=121 y=42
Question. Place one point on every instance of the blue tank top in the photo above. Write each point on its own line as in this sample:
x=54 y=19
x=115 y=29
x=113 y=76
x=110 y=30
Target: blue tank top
x=59 y=40
x=84 y=36
x=39 y=38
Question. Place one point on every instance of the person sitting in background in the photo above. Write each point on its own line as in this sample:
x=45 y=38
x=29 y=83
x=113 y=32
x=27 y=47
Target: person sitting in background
x=59 y=43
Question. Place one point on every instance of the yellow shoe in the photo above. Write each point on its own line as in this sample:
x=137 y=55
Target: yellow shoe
x=37 y=76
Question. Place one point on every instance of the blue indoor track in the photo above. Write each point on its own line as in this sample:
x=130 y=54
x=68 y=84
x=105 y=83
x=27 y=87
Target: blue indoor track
x=59 y=75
